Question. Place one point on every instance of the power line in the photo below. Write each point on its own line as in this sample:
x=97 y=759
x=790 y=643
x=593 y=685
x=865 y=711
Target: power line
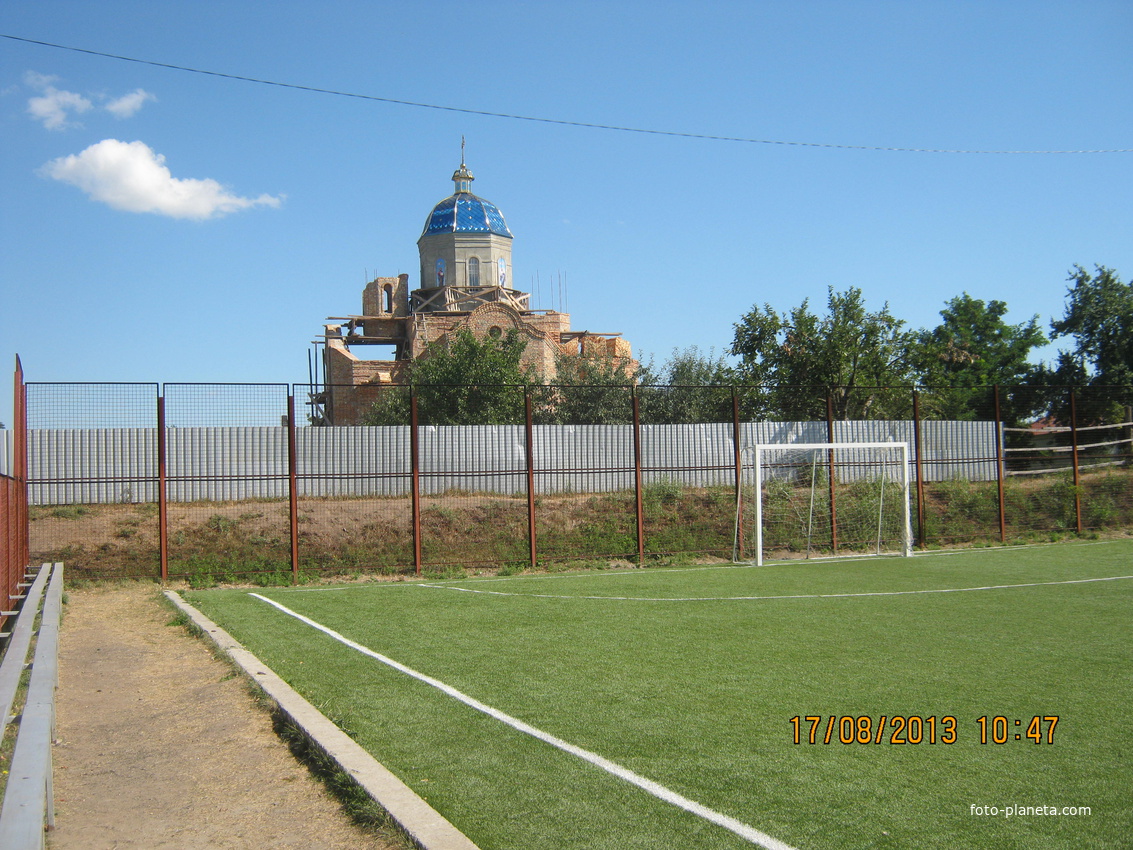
x=559 y=121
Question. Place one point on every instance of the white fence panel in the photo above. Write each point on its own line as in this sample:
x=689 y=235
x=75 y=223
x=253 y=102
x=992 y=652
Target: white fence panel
x=473 y=458
x=108 y=465
x=691 y=455
x=583 y=458
x=353 y=461
x=955 y=450
x=70 y=466
x=225 y=464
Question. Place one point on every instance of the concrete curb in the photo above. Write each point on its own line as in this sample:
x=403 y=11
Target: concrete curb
x=424 y=826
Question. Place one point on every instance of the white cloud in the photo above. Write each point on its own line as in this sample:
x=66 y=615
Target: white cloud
x=128 y=104
x=39 y=81
x=53 y=107
x=130 y=176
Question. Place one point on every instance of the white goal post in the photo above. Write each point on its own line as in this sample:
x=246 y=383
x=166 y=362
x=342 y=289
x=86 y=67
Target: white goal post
x=809 y=500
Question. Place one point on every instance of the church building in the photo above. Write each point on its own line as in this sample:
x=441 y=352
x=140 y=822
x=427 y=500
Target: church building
x=466 y=282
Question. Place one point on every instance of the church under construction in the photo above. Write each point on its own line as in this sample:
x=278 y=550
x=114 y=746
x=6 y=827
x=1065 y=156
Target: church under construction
x=466 y=283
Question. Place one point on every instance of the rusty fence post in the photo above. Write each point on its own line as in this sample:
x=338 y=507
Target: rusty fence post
x=292 y=488
x=415 y=479
x=832 y=473
x=1129 y=434
x=529 y=449
x=162 y=496
x=21 y=469
x=637 y=479
x=737 y=459
x=1000 y=465
x=919 y=467
x=8 y=557
x=1074 y=455
x=14 y=557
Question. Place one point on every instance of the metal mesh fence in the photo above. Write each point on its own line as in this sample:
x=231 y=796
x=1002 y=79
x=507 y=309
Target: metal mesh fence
x=354 y=486
x=1102 y=441
x=957 y=479
x=218 y=481
x=473 y=477
x=583 y=473
x=689 y=465
x=60 y=406
x=227 y=480
x=1067 y=469
x=93 y=476
x=92 y=443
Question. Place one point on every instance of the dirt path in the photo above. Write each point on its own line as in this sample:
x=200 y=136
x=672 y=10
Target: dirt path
x=159 y=745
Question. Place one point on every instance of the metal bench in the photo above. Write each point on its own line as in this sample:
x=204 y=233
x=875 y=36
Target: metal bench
x=28 y=806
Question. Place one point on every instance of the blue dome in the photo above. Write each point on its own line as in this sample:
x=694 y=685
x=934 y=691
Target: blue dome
x=466 y=213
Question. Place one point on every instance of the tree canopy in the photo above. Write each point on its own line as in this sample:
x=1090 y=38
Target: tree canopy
x=865 y=361
x=971 y=350
x=690 y=386
x=589 y=389
x=853 y=354
x=1099 y=317
x=462 y=381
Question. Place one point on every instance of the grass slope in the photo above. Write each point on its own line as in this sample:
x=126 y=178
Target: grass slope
x=218 y=542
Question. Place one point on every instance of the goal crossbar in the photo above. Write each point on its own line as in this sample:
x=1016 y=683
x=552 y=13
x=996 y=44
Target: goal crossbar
x=890 y=458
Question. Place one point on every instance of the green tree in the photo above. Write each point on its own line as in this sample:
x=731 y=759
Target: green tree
x=589 y=389
x=391 y=408
x=969 y=352
x=462 y=381
x=860 y=358
x=690 y=387
x=1099 y=316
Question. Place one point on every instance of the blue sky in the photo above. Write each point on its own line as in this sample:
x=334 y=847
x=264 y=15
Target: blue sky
x=159 y=225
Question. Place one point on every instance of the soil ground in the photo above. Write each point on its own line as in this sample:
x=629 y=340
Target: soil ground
x=160 y=745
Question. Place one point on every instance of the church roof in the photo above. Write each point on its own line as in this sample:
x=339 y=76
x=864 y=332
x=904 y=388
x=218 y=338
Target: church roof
x=463 y=212
x=466 y=213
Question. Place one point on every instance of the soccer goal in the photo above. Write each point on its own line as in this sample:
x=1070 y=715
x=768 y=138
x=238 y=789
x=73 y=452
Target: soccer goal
x=811 y=500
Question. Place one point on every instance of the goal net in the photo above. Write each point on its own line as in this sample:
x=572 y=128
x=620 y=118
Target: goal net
x=809 y=500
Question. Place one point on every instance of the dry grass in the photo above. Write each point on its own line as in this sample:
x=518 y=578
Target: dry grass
x=250 y=540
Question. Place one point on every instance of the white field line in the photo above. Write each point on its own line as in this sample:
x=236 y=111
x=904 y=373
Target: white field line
x=660 y=791
x=629 y=571
x=753 y=598
x=653 y=571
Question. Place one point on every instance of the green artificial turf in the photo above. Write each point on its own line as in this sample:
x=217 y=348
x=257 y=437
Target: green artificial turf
x=690 y=678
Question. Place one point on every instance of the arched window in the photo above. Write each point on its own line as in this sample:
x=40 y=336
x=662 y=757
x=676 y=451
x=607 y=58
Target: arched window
x=473 y=271
x=440 y=271
x=387 y=299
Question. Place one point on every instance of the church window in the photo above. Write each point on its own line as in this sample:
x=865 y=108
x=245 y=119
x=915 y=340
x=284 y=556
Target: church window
x=473 y=271
x=440 y=271
x=387 y=299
